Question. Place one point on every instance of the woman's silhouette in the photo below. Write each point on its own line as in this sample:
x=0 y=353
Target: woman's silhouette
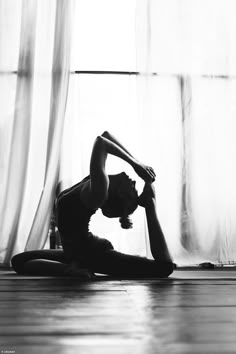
x=83 y=253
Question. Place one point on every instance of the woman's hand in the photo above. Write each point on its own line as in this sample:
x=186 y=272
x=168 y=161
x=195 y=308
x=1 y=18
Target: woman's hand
x=145 y=172
x=147 y=195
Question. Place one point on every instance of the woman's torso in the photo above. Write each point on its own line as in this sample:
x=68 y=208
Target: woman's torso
x=72 y=218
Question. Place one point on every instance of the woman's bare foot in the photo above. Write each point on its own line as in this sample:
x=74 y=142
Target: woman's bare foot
x=73 y=270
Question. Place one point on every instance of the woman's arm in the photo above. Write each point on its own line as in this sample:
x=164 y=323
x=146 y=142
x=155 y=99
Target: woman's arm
x=95 y=191
x=158 y=244
x=110 y=137
x=139 y=168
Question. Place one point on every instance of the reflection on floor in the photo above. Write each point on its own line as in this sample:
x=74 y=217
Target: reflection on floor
x=191 y=312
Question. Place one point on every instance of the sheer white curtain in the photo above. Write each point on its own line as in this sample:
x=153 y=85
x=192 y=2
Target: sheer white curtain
x=34 y=74
x=189 y=108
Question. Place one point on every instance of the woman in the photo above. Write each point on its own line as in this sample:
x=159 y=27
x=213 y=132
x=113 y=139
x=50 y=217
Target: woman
x=83 y=253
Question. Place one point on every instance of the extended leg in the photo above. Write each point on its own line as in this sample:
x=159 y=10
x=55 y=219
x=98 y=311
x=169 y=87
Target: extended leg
x=128 y=266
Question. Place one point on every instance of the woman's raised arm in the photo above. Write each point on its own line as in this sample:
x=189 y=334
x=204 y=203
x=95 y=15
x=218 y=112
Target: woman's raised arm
x=111 y=137
x=95 y=191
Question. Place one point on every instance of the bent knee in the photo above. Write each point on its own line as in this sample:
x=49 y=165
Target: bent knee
x=99 y=245
x=18 y=263
x=167 y=268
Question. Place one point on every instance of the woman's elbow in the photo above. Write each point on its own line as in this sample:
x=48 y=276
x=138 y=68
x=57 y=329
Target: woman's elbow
x=99 y=141
x=105 y=134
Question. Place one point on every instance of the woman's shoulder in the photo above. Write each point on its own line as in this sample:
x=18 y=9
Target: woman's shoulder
x=75 y=187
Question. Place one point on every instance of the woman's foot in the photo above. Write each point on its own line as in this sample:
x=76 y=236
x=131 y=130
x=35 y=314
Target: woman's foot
x=75 y=271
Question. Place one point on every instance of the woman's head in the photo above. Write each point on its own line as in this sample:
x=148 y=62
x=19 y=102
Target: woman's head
x=122 y=199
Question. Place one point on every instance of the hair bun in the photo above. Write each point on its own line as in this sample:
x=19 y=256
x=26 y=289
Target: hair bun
x=125 y=222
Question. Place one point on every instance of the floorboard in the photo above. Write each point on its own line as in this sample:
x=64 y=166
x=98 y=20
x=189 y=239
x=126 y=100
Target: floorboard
x=190 y=312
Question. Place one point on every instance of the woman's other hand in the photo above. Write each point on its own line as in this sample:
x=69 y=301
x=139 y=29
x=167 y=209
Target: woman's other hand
x=147 y=195
x=145 y=172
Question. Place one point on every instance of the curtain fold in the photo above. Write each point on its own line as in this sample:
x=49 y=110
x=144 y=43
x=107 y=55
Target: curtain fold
x=188 y=242
x=59 y=91
x=13 y=190
x=32 y=132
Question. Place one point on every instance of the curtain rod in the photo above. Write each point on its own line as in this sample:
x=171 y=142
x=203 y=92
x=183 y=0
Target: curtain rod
x=101 y=72
x=111 y=72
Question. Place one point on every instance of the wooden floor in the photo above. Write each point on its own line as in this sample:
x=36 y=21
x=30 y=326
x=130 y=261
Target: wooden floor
x=191 y=312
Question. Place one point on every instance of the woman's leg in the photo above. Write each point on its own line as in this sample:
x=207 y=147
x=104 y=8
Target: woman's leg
x=40 y=262
x=128 y=266
x=111 y=262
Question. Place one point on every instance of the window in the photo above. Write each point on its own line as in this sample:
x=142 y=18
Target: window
x=102 y=95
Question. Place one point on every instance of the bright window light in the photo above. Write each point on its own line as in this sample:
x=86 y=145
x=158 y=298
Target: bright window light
x=104 y=35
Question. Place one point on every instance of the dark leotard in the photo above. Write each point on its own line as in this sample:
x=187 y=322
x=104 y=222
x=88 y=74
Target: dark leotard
x=73 y=218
